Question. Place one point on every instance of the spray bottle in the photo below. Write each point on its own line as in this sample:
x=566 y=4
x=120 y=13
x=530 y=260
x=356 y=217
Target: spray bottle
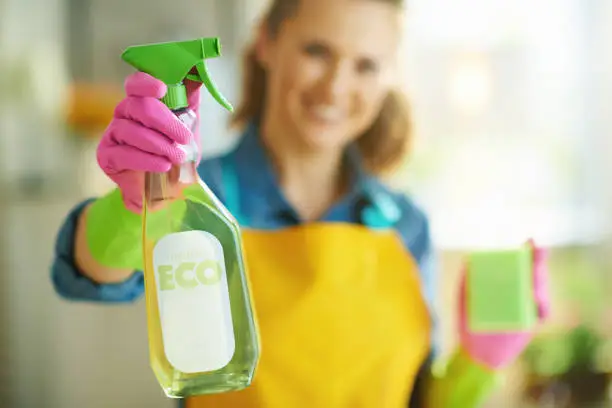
x=202 y=331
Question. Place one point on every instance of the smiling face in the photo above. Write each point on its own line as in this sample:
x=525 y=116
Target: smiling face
x=329 y=68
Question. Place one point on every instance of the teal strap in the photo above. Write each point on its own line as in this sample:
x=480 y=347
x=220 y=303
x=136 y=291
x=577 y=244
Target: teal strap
x=373 y=218
x=383 y=214
x=231 y=191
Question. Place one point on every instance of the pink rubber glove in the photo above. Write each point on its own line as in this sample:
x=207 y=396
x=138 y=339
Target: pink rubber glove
x=498 y=350
x=143 y=136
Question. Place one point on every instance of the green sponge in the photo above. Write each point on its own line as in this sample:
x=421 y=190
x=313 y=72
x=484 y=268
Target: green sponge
x=500 y=291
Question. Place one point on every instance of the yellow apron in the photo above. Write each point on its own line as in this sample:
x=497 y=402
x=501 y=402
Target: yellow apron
x=343 y=322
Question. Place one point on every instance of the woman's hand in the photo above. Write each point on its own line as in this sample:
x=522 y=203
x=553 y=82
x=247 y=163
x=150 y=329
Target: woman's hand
x=498 y=350
x=143 y=136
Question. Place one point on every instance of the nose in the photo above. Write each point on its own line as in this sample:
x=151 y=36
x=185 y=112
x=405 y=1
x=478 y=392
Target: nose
x=338 y=81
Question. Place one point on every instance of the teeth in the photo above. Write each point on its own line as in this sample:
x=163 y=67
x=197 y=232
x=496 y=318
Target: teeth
x=328 y=113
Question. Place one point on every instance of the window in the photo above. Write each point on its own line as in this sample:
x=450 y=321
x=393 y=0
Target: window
x=506 y=115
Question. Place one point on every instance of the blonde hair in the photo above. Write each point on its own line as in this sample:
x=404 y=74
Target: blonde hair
x=383 y=146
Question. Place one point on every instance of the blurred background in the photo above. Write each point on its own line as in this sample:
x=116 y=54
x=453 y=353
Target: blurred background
x=512 y=105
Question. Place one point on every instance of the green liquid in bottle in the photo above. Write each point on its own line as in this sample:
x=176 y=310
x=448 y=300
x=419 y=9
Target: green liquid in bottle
x=202 y=331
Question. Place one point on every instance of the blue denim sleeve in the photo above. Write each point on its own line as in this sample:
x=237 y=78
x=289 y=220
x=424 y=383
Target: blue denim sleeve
x=414 y=228
x=71 y=284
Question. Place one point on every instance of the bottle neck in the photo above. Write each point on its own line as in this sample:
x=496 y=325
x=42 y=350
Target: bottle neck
x=175 y=97
x=189 y=119
x=192 y=150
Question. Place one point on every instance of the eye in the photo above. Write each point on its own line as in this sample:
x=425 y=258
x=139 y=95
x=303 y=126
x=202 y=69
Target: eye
x=315 y=49
x=367 y=66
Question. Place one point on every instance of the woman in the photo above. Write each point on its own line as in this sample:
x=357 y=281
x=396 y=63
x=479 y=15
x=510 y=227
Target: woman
x=321 y=121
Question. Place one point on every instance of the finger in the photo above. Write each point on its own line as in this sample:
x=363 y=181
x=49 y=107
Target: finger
x=541 y=282
x=462 y=296
x=193 y=94
x=144 y=85
x=153 y=114
x=540 y=279
x=115 y=159
x=134 y=134
x=540 y=255
x=131 y=184
x=133 y=203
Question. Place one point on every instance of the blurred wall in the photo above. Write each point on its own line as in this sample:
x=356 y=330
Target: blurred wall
x=33 y=77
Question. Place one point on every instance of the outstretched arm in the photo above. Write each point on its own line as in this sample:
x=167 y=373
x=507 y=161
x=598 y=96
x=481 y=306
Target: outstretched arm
x=476 y=368
x=76 y=280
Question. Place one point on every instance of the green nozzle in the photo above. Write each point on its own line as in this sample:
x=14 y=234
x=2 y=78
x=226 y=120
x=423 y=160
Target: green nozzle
x=173 y=62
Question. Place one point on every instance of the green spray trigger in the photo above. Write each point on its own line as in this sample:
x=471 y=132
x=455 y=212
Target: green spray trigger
x=173 y=62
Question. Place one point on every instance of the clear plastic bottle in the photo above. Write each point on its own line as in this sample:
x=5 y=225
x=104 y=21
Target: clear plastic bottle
x=202 y=331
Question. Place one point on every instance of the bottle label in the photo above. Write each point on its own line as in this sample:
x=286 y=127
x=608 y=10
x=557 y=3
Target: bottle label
x=193 y=300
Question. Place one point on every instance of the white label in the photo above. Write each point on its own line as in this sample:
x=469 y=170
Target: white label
x=193 y=298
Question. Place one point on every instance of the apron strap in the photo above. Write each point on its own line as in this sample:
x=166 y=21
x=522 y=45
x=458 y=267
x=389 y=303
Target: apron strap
x=382 y=214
